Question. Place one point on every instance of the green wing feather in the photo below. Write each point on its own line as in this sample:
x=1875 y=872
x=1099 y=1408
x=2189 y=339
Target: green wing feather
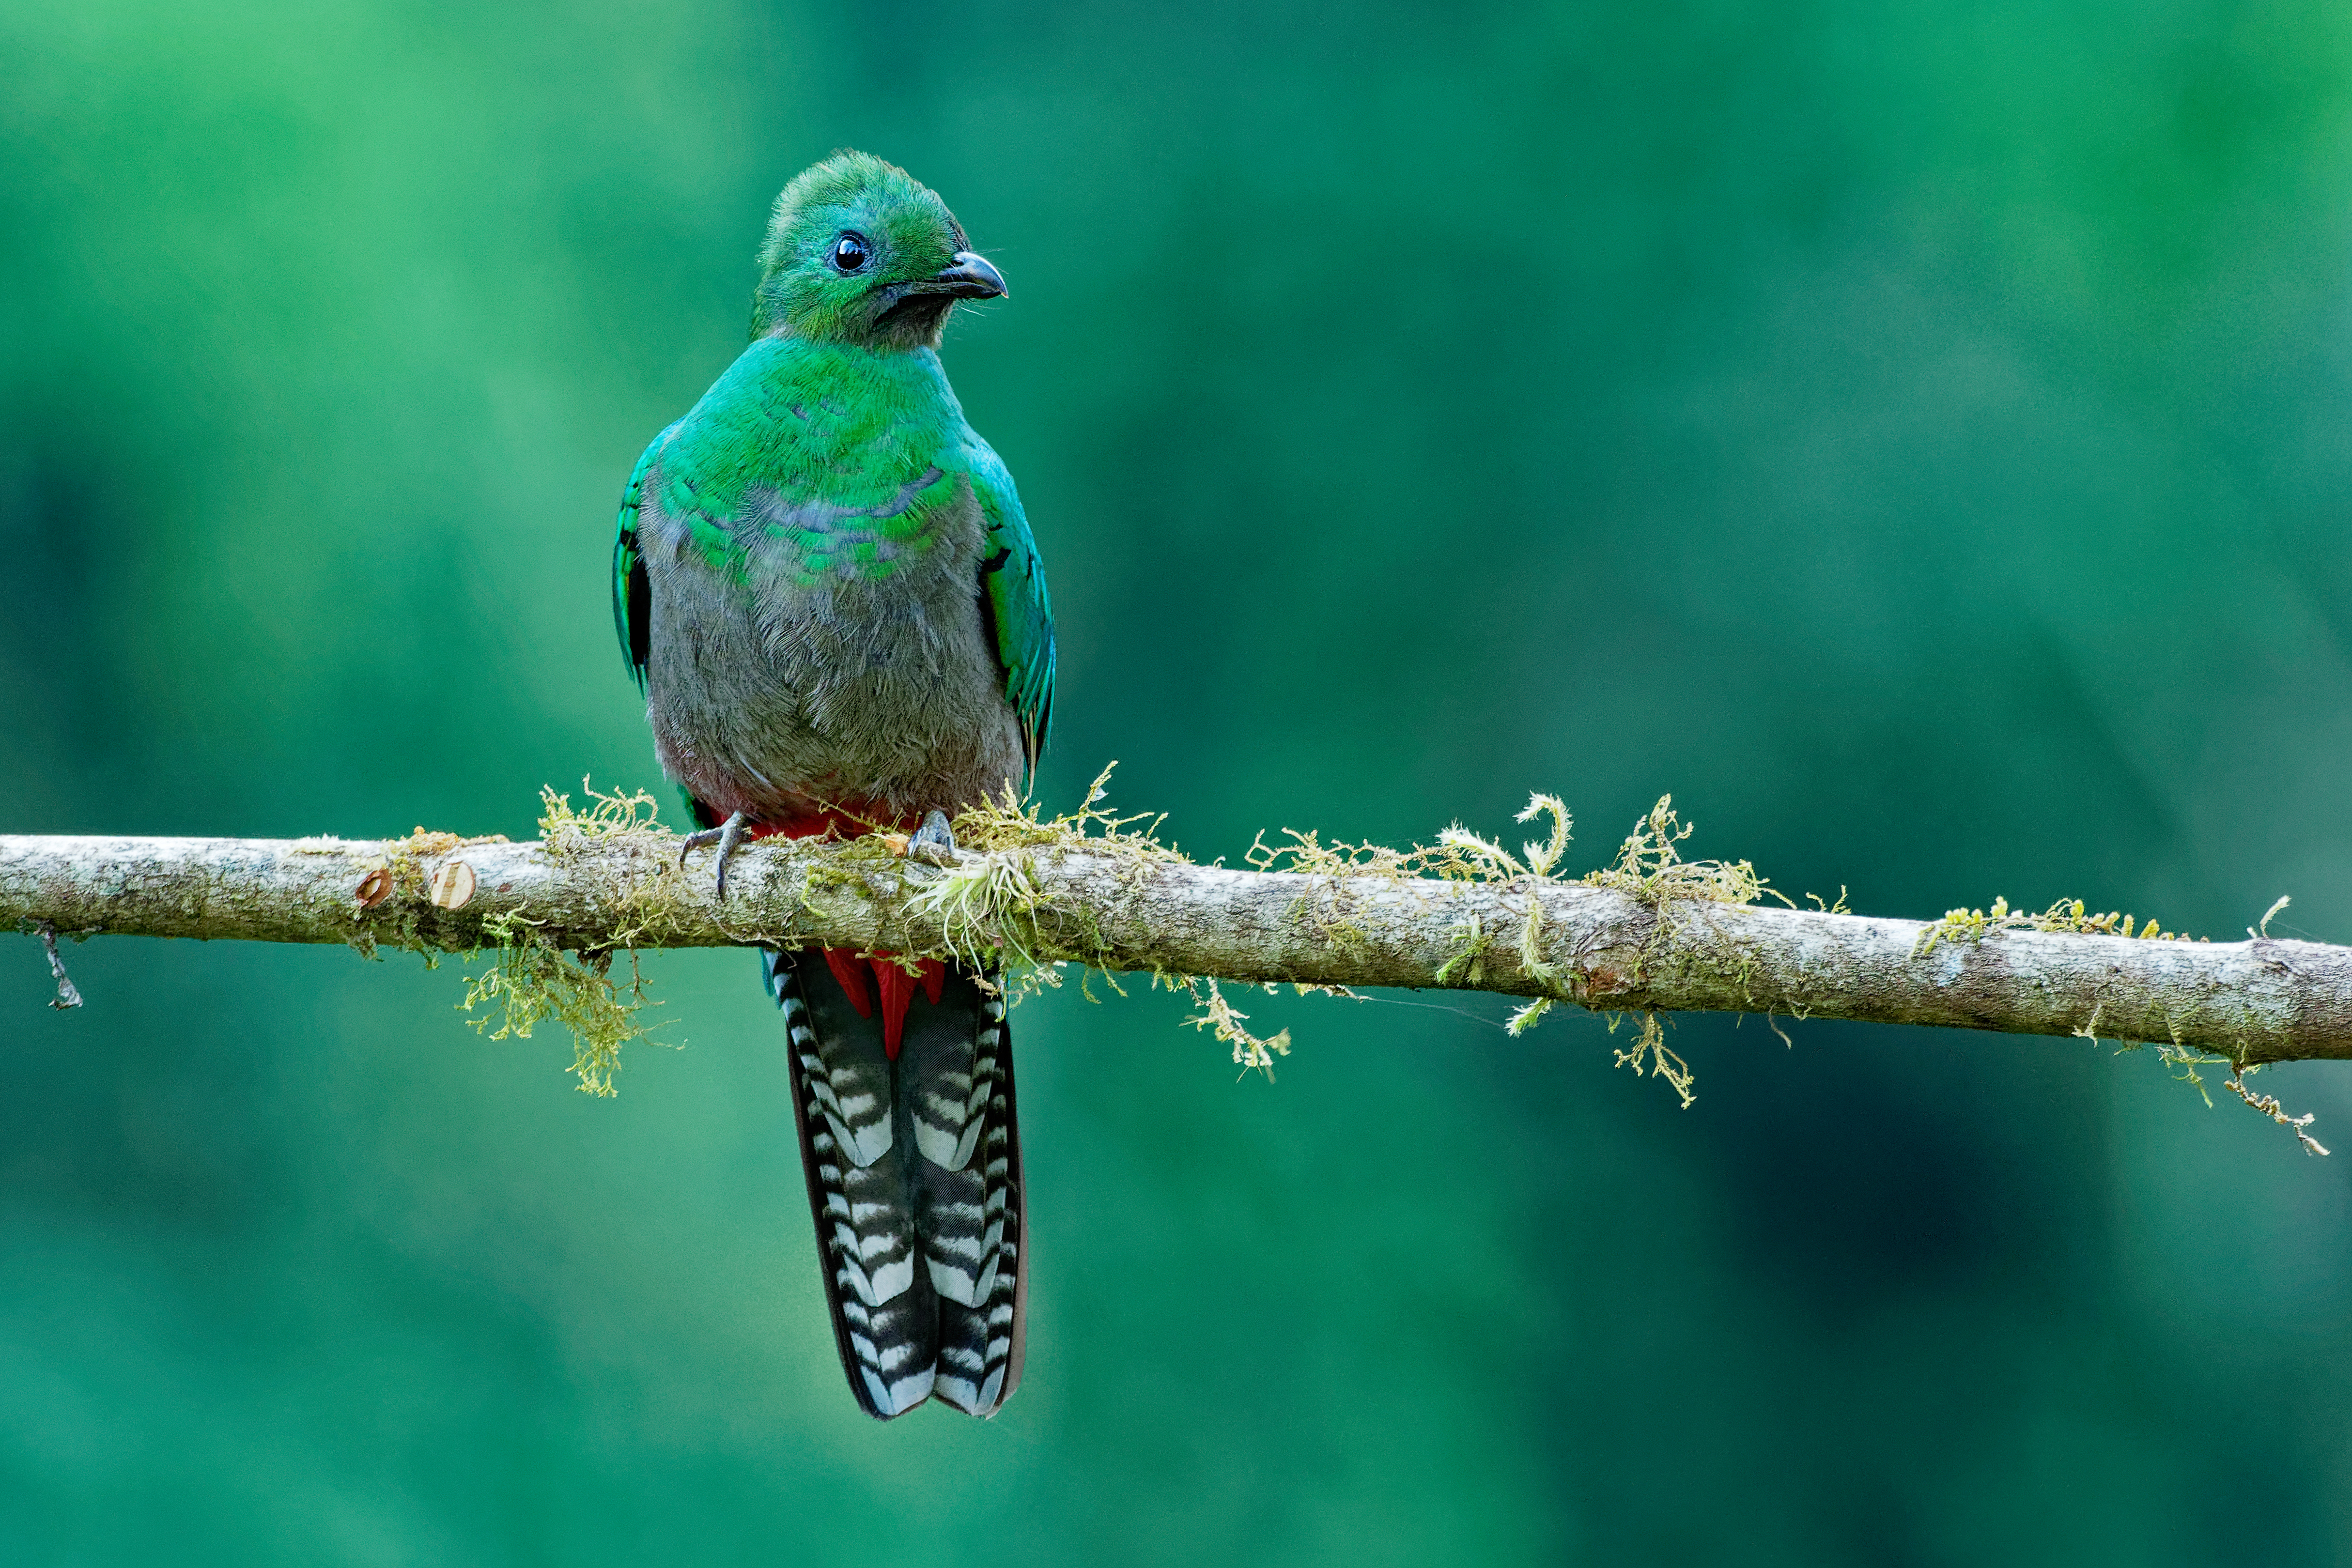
x=632 y=595
x=1014 y=597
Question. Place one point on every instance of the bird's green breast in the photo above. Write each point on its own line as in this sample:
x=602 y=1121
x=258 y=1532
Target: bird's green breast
x=821 y=459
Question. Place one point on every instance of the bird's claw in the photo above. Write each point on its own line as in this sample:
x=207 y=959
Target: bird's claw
x=727 y=835
x=934 y=841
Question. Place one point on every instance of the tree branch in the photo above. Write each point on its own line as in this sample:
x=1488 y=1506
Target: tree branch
x=1635 y=947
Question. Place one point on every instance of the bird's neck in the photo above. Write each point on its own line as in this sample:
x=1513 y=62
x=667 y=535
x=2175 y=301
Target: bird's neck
x=911 y=381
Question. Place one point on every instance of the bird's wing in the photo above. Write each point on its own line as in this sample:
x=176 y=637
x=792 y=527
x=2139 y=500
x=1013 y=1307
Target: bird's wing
x=1013 y=598
x=632 y=594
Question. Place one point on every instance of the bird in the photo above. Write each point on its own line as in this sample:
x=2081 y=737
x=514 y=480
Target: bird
x=830 y=599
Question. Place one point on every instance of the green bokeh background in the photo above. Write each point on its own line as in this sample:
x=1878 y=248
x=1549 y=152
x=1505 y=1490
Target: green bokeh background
x=1913 y=435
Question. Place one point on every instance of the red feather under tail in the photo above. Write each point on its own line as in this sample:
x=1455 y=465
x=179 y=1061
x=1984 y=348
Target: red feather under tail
x=850 y=967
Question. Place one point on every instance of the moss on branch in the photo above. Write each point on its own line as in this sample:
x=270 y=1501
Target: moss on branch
x=1646 y=935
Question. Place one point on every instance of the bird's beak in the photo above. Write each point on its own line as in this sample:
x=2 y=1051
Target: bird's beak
x=971 y=277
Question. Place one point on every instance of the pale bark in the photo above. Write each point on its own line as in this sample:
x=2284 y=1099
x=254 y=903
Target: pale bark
x=2255 y=1001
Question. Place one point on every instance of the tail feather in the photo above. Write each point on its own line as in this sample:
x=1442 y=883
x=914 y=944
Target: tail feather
x=911 y=1154
x=981 y=1336
x=850 y=1084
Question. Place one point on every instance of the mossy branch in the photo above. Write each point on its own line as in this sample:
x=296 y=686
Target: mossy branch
x=1650 y=933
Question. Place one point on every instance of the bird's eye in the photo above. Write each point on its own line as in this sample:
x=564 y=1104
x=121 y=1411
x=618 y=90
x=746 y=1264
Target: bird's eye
x=851 y=252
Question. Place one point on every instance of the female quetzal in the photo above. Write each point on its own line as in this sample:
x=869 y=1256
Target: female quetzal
x=828 y=590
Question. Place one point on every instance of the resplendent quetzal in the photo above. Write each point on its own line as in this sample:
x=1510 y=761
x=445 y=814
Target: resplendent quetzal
x=826 y=588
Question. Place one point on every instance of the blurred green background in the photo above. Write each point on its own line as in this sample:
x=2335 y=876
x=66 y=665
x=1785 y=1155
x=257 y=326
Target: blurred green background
x=1913 y=435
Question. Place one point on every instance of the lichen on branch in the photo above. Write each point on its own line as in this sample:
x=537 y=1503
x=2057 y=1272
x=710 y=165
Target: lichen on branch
x=1650 y=933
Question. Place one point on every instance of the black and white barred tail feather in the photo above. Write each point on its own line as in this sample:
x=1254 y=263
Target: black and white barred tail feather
x=914 y=1180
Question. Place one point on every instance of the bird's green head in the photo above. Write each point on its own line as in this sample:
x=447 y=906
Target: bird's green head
x=860 y=251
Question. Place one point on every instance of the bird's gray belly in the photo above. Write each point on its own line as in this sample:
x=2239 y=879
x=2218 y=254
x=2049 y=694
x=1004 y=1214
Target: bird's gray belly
x=777 y=697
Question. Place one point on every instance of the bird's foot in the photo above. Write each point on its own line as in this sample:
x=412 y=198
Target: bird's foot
x=934 y=841
x=727 y=835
